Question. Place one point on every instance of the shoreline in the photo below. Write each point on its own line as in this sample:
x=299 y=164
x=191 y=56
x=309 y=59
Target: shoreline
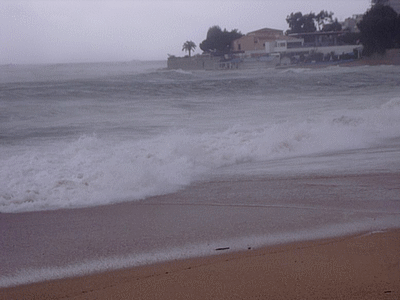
x=238 y=212
x=361 y=266
x=390 y=58
x=365 y=61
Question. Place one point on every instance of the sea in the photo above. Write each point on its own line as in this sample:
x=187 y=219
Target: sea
x=76 y=137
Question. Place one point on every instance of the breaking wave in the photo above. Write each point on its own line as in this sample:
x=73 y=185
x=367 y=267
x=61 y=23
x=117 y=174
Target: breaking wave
x=94 y=171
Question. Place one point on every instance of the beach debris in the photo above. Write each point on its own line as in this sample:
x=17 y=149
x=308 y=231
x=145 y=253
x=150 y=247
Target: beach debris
x=222 y=248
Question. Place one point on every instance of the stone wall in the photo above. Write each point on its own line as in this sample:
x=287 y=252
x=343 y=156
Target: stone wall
x=391 y=57
x=198 y=62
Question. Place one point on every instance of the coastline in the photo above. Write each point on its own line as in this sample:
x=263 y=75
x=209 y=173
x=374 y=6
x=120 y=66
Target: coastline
x=362 y=266
x=189 y=225
x=390 y=58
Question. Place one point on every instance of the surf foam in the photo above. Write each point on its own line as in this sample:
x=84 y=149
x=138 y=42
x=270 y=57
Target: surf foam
x=94 y=171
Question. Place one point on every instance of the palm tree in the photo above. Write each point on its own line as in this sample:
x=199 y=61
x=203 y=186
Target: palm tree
x=189 y=46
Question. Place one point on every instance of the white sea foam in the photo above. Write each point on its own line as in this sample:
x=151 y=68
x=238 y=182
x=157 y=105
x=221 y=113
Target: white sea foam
x=93 y=171
x=158 y=130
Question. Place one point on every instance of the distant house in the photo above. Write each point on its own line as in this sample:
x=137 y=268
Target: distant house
x=264 y=41
x=268 y=48
x=255 y=41
x=319 y=38
x=272 y=47
x=325 y=42
x=283 y=44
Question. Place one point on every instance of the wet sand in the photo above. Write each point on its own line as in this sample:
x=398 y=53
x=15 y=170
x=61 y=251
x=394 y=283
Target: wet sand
x=363 y=266
x=239 y=213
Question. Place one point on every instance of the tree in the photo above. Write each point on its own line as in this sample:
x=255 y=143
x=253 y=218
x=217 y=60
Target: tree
x=397 y=37
x=218 y=40
x=374 y=2
x=334 y=26
x=189 y=46
x=378 y=29
x=299 y=23
x=323 y=18
x=350 y=38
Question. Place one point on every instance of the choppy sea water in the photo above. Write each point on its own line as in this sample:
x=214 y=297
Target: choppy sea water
x=240 y=158
x=78 y=135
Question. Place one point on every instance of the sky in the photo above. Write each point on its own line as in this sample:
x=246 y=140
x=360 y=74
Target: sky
x=74 y=31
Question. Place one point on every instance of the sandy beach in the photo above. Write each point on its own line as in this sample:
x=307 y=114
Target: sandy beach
x=364 y=266
x=316 y=237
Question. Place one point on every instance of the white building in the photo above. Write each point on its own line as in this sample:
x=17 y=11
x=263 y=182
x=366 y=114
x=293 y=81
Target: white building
x=272 y=42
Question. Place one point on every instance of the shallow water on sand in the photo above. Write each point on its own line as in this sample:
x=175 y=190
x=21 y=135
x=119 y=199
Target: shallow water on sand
x=236 y=213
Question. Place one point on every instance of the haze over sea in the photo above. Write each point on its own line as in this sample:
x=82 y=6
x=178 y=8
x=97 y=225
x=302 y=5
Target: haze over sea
x=88 y=135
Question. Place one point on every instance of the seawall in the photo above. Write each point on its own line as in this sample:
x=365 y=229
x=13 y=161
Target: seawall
x=391 y=57
x=194 y=63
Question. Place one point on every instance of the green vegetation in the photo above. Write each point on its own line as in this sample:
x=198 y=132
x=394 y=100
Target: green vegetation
x=299 y=23
x=189 y=46
x=334 y=26
x=323 y=21
x=379 y=29
x=219 y=41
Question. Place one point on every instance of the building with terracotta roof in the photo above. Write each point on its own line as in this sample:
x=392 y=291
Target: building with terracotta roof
x=263 y=41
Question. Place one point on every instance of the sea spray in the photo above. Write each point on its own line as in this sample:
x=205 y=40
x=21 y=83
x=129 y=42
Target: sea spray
x=94 y=171
x=94 y=134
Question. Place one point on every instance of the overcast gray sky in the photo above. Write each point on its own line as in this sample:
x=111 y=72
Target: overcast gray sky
x=61 y=31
